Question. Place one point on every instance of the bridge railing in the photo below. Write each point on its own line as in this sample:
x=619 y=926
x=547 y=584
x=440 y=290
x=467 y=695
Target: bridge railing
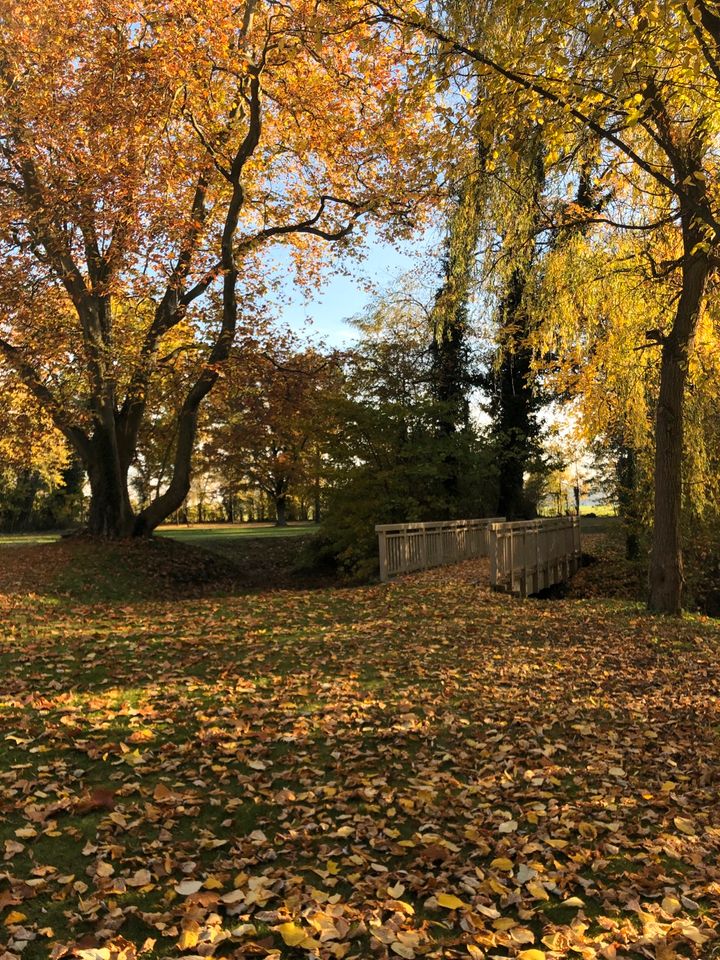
x=528 y=556
x=405 y=547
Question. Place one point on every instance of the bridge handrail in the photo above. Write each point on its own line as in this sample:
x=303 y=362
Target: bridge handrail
x=405 y=547
x=527 y=556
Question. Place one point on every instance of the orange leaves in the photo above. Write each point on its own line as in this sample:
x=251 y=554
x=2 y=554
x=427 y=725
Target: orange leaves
x=135 y=137
x=101 y=798
x=391 y=731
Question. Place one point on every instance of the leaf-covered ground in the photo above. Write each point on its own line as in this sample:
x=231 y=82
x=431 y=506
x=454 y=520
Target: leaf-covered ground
x=424 y=769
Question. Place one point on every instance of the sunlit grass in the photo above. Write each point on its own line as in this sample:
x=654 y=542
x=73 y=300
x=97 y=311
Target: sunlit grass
x=246 y=734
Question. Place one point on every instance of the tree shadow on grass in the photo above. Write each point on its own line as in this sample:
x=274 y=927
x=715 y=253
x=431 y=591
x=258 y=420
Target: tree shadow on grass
x=88 y=571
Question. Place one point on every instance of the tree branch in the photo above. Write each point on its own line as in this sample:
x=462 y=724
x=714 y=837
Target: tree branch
x=535 y=86
x=29 y=376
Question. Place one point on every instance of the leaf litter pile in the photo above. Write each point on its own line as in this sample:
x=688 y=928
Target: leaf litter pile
x=424 y=769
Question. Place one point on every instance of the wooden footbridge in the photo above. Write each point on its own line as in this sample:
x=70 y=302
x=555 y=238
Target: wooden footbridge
x=525 y=556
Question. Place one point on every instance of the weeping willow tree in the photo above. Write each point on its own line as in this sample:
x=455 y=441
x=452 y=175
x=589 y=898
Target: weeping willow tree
x=600 y=302
x=451 y=375
x=514 y=397
x=644 y=80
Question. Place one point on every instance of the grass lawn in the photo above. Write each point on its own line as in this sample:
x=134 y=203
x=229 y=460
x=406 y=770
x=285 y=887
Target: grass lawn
x=27 y=539
x=204 y=534
x=424 y=769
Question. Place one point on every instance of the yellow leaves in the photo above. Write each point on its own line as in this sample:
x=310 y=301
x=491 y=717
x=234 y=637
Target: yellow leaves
x=190 y=935
x=13 y=918
x=685 y=826
x=689 y=931
x=450 y=901
x=703 y=246
x=133 y=757
x=402 y=906
x=555 y=941
x=522 y=935
x=537 y=891
x=293 y=935
x=572 y=902
x=497 y=887
x=532 y=954
x=532 y=864
x=670 y=905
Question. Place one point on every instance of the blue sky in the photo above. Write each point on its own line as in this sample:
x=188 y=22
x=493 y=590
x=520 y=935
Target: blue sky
x=342 y=297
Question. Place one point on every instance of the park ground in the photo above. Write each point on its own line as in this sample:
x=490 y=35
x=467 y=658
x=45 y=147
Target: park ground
x=198 y=760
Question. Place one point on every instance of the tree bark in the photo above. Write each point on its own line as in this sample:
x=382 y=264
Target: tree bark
x=666 y=564
x=281 y=511
x=514 y=404
x=26 y=490
x=316 y=501
x=111 y=515
x=627 y=494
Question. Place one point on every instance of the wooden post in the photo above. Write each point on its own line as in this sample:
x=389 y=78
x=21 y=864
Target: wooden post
x=382 y=547
x=511 y=536
x=578 y=544
x=493 y=541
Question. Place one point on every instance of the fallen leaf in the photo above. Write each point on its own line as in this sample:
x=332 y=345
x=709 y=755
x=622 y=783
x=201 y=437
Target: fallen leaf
x=450 y=901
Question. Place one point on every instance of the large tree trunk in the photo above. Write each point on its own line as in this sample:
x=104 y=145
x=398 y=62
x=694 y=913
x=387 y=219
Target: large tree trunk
x=111 y=515
x=627 y=494
x=281 y=511
x=515 y=429
x=316 y=501
x=26 y=490
x=666 y=566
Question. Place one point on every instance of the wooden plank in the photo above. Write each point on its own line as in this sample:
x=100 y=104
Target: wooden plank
x=382 y=544
x=405 y=547
x=530 y=555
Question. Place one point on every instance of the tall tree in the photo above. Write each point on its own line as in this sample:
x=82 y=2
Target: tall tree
x=645 y=81
x=149 y=153
x=451 y=377
x=268 y=419
x=450 y=352
x=514 y=400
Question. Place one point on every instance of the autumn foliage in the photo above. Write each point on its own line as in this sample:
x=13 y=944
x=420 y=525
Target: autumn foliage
x=151 y=153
